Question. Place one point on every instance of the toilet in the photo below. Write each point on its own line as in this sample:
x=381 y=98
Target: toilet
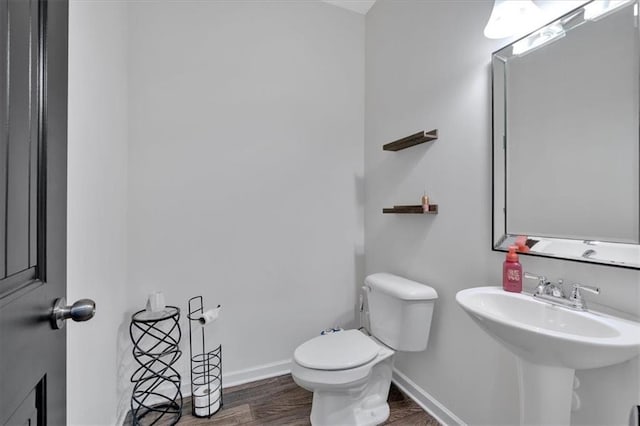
x=349 y=372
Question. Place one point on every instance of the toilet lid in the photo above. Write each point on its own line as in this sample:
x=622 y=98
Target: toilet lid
x=336 y=351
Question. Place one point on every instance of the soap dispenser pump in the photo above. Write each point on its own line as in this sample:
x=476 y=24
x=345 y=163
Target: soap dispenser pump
x=512 y=272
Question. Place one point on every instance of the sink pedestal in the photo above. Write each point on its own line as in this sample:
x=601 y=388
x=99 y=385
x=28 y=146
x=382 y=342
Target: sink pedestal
x=545 y=394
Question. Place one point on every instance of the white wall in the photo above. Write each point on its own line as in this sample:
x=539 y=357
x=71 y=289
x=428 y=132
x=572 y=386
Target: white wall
x=236 y=129
x=245 y=167
x=97 y=172
x=428 y=66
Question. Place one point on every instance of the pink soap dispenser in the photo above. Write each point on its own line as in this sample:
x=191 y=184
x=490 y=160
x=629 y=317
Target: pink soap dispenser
x=512 y=272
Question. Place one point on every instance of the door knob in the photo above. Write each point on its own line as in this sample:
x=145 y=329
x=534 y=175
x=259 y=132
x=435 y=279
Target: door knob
x=82 y=310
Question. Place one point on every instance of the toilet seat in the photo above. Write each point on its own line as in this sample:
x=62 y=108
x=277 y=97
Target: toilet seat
x=314 y=379
x=336 y=351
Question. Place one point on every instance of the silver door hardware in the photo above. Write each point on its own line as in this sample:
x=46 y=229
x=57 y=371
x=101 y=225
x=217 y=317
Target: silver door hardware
x=82 y=310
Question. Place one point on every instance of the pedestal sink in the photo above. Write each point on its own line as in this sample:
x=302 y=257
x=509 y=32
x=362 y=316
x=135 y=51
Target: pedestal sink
x=550 y=343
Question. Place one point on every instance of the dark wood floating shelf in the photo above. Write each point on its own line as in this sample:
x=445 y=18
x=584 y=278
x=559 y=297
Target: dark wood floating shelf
x=409 y=141
x=417 y=209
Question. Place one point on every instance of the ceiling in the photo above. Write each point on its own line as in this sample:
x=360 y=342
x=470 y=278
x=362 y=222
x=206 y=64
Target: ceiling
x=359 y=6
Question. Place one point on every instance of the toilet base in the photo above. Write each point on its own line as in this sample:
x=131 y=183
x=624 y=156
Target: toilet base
x=362 y=405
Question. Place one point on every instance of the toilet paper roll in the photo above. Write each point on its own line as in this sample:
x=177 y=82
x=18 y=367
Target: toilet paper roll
x=155 y=302
x=207 y=399
x=209 y=316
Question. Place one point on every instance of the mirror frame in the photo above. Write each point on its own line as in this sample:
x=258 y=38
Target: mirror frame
x=501 y=243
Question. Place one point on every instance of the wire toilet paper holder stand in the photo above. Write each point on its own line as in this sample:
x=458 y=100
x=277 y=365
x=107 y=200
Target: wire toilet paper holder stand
x=206 y=366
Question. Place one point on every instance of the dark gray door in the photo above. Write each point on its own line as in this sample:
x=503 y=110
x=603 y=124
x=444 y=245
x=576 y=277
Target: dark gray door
x=33 y=151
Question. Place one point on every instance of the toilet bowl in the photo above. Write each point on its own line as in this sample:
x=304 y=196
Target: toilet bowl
x=349 y=372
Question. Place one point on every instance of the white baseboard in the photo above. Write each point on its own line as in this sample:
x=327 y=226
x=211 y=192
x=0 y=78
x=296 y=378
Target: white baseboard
x=265 y=371
x=424 y=400
x=254 y=374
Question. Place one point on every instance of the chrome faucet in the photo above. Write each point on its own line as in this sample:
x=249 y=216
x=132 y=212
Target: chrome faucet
x=554 y=293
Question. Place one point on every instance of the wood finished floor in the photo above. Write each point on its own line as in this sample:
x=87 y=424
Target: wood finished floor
x=279 y=401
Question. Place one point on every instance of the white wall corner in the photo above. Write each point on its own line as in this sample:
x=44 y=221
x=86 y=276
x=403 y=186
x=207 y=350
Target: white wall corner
x=358 y=6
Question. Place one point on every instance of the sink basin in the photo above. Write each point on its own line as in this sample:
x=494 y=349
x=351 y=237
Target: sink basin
x=550 y=343
x=548 y=334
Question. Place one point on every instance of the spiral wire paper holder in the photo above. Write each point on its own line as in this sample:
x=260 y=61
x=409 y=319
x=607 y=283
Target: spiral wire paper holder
x=206 y=367
x=156 y=339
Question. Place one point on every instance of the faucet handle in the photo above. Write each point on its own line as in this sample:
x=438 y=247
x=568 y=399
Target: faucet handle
x=542 y=282
x=576 y=295
x=577 y=287
x=541 y=278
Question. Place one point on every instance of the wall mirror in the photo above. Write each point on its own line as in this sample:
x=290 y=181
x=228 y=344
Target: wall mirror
x=566 y=151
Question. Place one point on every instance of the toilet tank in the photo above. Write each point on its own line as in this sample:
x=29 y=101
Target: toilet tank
x=400 y=311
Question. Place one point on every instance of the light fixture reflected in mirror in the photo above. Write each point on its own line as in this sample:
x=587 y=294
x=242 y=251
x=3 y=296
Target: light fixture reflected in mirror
x=542 y=37
x=511 y=17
